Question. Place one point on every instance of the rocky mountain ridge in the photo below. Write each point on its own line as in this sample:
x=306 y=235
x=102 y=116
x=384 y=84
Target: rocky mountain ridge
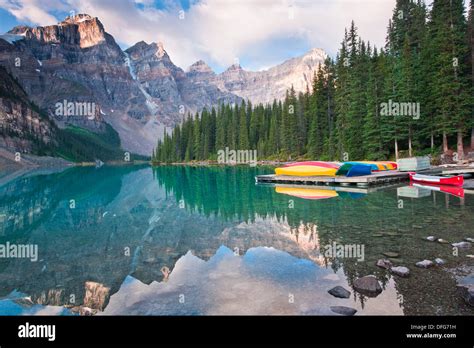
x=140 y=92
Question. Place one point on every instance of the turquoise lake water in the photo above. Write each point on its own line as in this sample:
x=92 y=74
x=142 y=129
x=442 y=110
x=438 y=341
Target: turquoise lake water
x=203 y=241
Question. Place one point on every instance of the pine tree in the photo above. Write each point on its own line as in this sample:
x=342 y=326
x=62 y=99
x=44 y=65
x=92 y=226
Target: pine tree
x=329 y=73
x=430 y=63
x=314 y=134
x=372 y=132
x=470 y=38
x=357 y=93
x=342 y=98
x=451 y=96
x=243 y=128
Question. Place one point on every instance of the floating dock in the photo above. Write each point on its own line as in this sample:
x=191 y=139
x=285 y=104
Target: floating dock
x=378 y=178
x=337 y=188
x=448 y=171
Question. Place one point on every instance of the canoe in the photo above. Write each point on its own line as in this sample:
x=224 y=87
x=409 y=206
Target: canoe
x=390 y=165
x=306 y=170
x=374 y=165
x=457 y=180
x=334 y=165
x=381 y=166
x=350 y=170
x=306 y=193
x=452 y=190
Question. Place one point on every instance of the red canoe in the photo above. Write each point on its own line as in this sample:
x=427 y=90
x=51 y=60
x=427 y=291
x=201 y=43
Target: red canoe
x=455 y=191
x=438 y=180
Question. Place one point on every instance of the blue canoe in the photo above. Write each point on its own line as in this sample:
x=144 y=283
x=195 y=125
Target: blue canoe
x=373 y=166
x=350 y=169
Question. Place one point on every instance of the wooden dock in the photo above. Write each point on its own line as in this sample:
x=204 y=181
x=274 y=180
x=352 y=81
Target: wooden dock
x=449 y=171
x=337 y=188
x=379 y=178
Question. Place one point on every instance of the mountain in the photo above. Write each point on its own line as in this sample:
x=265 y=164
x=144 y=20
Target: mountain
x=23 y=127
x=265 y=86
x=77 y=61
x=168 y=89
x=26 y=129
x=138 y=92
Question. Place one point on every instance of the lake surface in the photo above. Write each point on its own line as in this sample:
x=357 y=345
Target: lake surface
x=203 y=241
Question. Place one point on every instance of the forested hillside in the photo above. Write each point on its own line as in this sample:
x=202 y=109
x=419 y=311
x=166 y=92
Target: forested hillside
x=414 y=95
x=25 y=128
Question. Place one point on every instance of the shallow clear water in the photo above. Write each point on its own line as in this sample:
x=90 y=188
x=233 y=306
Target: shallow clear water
x=107 y=236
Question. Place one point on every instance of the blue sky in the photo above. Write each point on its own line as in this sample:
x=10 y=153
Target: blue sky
x=255 y=33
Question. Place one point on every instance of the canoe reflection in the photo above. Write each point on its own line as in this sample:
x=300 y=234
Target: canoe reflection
x=321 y=192
x=307 y=193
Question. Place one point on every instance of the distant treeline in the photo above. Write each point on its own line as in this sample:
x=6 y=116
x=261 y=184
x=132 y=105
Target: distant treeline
x=415 y=95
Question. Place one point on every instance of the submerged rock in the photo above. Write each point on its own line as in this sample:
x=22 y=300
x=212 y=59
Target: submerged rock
x=368 y=285
x=390 y=254
x=425 y=264
x=396 y=261
x=467 y=293
x=343 y=310
x=384 y=263
x=439 y=261
x=462 y=245
x=394 y=234
x=150 y=260
x=339 y=291
x=400 y=271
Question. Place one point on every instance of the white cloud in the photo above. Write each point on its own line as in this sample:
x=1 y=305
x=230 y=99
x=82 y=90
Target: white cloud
x=219 y=31
x=33 y=11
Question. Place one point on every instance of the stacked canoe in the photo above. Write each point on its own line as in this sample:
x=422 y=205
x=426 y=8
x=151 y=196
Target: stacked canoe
x=310 y=168
x=321 y=168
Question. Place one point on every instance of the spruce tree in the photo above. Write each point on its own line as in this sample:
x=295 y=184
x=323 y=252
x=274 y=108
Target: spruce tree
x=470 y=39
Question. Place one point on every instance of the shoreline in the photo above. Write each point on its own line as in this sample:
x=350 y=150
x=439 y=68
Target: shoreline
x=216 y=164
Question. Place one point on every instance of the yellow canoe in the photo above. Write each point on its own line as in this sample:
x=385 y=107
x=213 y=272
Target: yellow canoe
x=391 y=165
x=306 y=171
x=306 y=193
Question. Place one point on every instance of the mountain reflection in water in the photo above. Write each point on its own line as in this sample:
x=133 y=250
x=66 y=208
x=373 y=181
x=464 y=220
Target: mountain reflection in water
x=232 y=247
